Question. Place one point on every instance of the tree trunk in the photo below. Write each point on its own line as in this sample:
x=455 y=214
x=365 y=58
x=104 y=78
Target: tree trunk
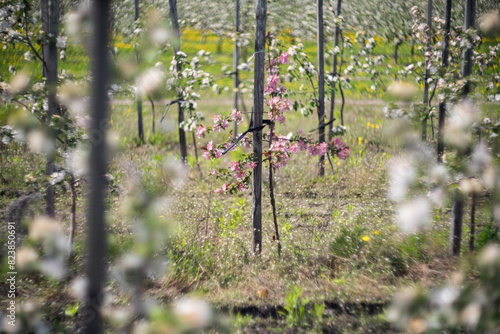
x=140 y=124
x=444 y=62
x=44 y=5
x=96 y=234
x=334 y=72
x=271 y=192
x=456 y=224
x=236 y=54
x=458 y=205
x=176 y=47
x=258 y=113
x=51 y=61
x=426 y=107
x=395 y=56
x=152 y=113
x=472 y=223
x=72 y=218
x=467 y=53
x=321 y=85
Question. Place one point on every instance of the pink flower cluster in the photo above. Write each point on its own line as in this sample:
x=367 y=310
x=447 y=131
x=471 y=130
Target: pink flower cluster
x=317 y=149
x=220 y=123
x=200 y=131
x=224 y=188
x=340 y=149
x=236 y=116
x=278 y=106
x=283 y=58
x=241 y=171
x=211 y=152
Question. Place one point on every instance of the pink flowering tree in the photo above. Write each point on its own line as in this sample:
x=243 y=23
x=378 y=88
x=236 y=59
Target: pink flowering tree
x=280 y=148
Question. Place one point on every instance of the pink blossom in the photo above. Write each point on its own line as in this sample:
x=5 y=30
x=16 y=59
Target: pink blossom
x=234 y=166
x=341 y=149
x=293 y=148
x=317 y=149
x=225 y=187
x=246 y=141
x=278 y=106
x=272 y=83
x=283 y=58
x=200 y=131
x=220 y=123
x=252 y=165
x=241 y=187
x=210 y=145
x=344 y=154
x=213 y=172
x=236 y=116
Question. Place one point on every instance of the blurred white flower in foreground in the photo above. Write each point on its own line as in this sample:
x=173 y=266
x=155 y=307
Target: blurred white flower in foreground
x=401 y=175
x=413 y=215
x=457 y=129
x=25 y=256
x=79 y=288
x=77 y=161
x=40 y=143
x=44 y=227
x=195 y=313
x=150 y=80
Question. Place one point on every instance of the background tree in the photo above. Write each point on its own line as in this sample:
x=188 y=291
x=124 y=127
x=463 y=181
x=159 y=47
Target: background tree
x=140 y=125
x=426 y=106
x=334 y=69
x=321 y=85
x=444 y=63
x=176 y=46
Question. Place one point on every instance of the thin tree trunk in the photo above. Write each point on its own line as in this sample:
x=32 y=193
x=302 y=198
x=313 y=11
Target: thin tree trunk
x=427 y=71
x=444 y=62
x=176 y=47
x=467 y=53
x=140 y=124
x=44 y=5
x=458 y=205
x=72 y=217
x=395 y=57
x=472 y=222
x=96 y=234
x=196 y=154
x=271 y=193
x=321 y=85
x=258 y=112
x=152 y=113
x=236 y=54
x=456 y=224
x=334 y=72
x=52 y=88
